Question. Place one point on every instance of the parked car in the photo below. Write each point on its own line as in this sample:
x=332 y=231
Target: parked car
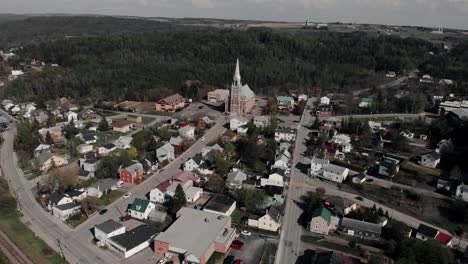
x=125 y=218
x=238 y=261
x=202 y=138
x=246 y=233
x=237 y=246
x=127 y=195
x=238 y=242
x=103 y=211
x=359 y=198
x=161 y=261
x=229 y=259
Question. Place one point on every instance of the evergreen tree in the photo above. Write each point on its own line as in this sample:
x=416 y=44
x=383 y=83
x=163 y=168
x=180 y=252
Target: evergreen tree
x=179 y=199
x=49 y=139
x=103 y=125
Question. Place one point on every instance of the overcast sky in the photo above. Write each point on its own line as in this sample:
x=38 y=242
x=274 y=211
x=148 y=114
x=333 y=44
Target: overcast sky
x=434 y=13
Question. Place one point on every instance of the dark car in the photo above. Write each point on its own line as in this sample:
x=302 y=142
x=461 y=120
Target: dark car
x=238 y=242
x=238 y=261
x=200 y=107
x=125 y=218
x=237 y=246
x=103 y=211
x=229 y=259
x=359 y=198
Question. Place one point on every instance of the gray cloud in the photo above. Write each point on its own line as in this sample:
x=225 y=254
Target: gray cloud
x=434 y=13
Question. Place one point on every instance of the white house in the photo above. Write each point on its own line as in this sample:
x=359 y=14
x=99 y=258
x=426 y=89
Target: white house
x=106 y=230
x=106 y=149
x=390 y=74
x=344 y=141
x=285 y=102
x=235 y=178
x=187 y=132
x=88 y=137
x=407 y=134
x=323 y=169
x=285 y=134
x=40 y=149
x=158 y=194
x=375 y=126
x=71 y=116
x=165 y=152
x=84 y=148
x=242 y=130
x=274 y=179
x=123 y=142
x=462 y=192
x=206 y=150
x=64 y=211
x=302 y=97
x=193 y=163
x=99 y=188
x=140 y=209
x=324 y=100
x=89 y=164
x=192 y=194
x=385 y=165
x=237 y=122
x=270 y=221
x=133 y=241
x=58 y=199
x=282 y=160
x=430 y=160
x=261 y=121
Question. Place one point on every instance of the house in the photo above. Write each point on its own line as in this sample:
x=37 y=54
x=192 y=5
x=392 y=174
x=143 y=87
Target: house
x=426 y=78
x=71 y=116
x=430 y=160
x=132 y=173
x=357 y=228
x=218 y=96
x=123 y=142
x=341 y=206
x=302 y=97
x=261 y=121
x=106 y=230
x=324 y=100
x=387 y=164
x=365 y=103
x=220 y=204
x=187 y=132
x=101 y=187
x=324 y=111
x=285 y=102
x=88 y=137
x=342 y=140
x=176 y=142
x=158 y=194
x=85 y=175
x=235 y=178
x=89 y=163
x=58 y=199
x=105 y=149
x=425 y=232
x=84 y=148
x=134 y=118
x=375 y=126
x=407 y=134
x=282 y=160
x=390 y=74
x=87 y=114
x=359 y=179
x=207 y=150
x=192 y=193
x=270 y=221
x=55 y=133
x=323 y=169
x=196 y=235
x=193 y=163
x=242 y=130
x=133 y=241
x=443 y=185
x=64 y=211
x=158 y=215
x=276 y=178
x=140 y=209
x=166 y=152
x=462 y=192
x=171 y=103
x=285 y=134
x=122 y=126
x=320 y=221
x=48 y=160
x=237 y=122
x=283 y=146
x=41 y=148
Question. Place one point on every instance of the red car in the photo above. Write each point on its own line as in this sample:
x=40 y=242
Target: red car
x=238 y=261
x=238 y=242
x=237 y=246
x=125 y=218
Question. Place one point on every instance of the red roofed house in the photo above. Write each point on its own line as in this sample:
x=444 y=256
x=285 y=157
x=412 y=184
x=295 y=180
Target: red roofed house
x=171 y=103
x=444 y=238
x=158 y=194
x=132 y=173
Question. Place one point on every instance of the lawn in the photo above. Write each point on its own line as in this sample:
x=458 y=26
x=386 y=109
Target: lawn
x=77 y=220
x=109 y=135
x=110 y=197
x=411 y=167
x=4 y=259
x=316 y=241
x=216 y=258
x=147 y=120
x=269 y=254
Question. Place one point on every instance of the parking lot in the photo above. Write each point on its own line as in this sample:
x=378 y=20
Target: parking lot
x=252 y=250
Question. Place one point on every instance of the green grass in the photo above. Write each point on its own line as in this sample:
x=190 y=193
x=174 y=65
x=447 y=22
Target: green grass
x=4 y=259
x=316 y=241
x=216 y=258
x=31 y=245
x=147 y=120
x=411 y=167
x=73 y=222
x=269 y=254
x=110 y=197
x=110 y=134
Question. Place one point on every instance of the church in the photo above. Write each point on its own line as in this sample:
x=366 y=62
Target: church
x=241 y=99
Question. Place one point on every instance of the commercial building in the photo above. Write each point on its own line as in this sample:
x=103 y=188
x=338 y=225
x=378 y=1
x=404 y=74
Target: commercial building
x=133 y=241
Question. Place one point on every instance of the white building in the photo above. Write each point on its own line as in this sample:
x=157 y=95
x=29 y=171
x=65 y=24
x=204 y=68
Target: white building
x=71 y=116
x=302 y=97
x=237 y=122
x=462 y=192
x=261 y=121
x=386 y=164
x=140 y=208
x=430 y=160
x=323 y=169
x=106 y=230
x=235 y=178
x=324 y=100
x=193 y=163
x=282 y=160
x=274 y=179
x=133 y=241
x=285 y=134
x=158 y=194
x=344 y=141
x=187 y=132
x=165 y=152
x=123 y=142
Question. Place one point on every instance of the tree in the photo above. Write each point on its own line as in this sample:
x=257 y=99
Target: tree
x=320 y=191
x=392 y=169
x=132 y=153
x=310 y=202
x=49 y=139
x=376 y=259
x=61 y=179
x=103 y=124
x=89 y=205
x=250 y=199
x=300 y=107
x=51 y=120
x=179 y=199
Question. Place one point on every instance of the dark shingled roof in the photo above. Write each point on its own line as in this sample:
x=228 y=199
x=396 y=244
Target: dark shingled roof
x=219 y=203
x=135 y=237
x=427 y=230
x=108 y=226
x=56 y=197
x=66 y=206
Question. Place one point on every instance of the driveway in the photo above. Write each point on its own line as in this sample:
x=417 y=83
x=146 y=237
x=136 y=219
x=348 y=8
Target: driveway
x=252 y=251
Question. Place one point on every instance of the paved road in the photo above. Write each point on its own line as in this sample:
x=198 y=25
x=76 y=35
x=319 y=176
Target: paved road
x=389 y=184
x=371 y=116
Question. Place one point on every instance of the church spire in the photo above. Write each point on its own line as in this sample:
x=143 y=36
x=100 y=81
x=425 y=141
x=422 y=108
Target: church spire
x=237 y=77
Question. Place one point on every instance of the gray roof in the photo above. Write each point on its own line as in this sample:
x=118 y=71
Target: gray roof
x=135 y=237
x=334 y=169
x=285 y=130
x=104 y=184
x=236 y=176
x=45 y=156
x=194 y=231
x=66 y=206
x=108 y=226
x=275 y=213
x=361 y=225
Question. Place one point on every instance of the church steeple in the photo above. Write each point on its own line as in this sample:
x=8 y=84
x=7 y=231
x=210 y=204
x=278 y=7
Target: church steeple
x=237 y=77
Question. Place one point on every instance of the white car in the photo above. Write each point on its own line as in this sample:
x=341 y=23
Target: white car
x=161 y=261
x=127 y=195
x=246 y=233
x=202 y=138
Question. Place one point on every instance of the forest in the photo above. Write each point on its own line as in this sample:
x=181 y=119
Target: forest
x=148 y=65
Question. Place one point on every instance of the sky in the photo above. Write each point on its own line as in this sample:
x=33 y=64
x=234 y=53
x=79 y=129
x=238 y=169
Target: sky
x=432 y=13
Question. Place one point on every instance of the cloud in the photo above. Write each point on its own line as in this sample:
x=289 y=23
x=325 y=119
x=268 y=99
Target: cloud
x=202 y=3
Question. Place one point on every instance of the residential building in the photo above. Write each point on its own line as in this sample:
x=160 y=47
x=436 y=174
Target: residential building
x=171 y=103
x=48 y=160
x=166 y=152
x=104 y=150
x=58 y=199
x=276 y=178
x=195 y=234
x=320 y=221
x=220 y=204
x=285 y=102
x=123 y=142
x=133 y=241
x=71 y=116
x=176 y=142
x=285 y=134
x=107 y=229
x=407 y=134
x=122 y=126
x=89 y=163
x=386 y=164
x=134 y=118
x=362 y=229
x=425 y=232
x=140 y=208
x=88 y=137
x=324 y=100
x=55 y=133
x=341 y=206
x=187 y=132
x=158 y=194
x=84 y=148
x=430 y=160
x=302 y=97
x=462 y=192
x=41 y=148
x=242 y=130
x=193 y=163
x=344 y=141
x=87 y=114
x=132 y=174
x=65 y=211
x=207 y=150
x=359 y=179
x=375 y=126
x=270 y=221
x=235 y=178
x=218 y=96
x=101 y=187
x=261 y=121
x=324 y=111
x=85 y=175
x=242 y=98
x=323 y=169
x=236 y=122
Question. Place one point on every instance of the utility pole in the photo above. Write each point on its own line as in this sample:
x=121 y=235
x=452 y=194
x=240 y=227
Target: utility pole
x=60 y=247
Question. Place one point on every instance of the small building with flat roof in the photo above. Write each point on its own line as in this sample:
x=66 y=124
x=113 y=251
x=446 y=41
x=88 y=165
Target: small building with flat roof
x=220 y=204
x=106 y=230
x=133 y=241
